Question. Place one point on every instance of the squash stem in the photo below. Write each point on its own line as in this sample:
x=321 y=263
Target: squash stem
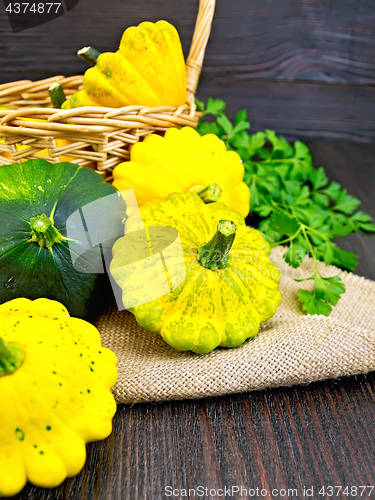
x=11 y=357
x=89 y=55
x=209 y=194
x=214 y=254
x=57 y=95
x=44 y=232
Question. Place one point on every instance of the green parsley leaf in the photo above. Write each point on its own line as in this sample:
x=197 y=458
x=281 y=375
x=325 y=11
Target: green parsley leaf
x=343 y=258
x=283 y=223
x=265 y=210
x=313 y=304
x=200 y=104
x=360 y=217
x=327 y=252
x=340 y=229
x=248 y=145
x=303 y=197
x=369 y=228
x=292 y=199
x=321 y=199
x=226 y=125
x=228 y=128
x=318 y=178
x=241 y=116
x=209 y=128
x=346 y=203
x=295 y=255
x=329 y=289
x=214 y=107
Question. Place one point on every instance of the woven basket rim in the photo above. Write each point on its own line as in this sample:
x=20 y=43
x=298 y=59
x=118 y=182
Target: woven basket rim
x=93 y=119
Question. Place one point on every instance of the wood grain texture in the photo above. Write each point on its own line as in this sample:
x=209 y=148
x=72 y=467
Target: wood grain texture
x=303 y=68
x=51 y=48
x=312 y=40
x=288 y=438
x=322 y=434
x=299 y=110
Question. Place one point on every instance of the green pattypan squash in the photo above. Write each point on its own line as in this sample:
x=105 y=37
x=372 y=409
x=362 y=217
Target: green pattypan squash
x=37 y=199
x=230 y=286
x=55 y=380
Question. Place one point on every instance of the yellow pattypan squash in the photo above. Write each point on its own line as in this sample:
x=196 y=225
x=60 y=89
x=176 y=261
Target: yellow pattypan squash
x=44 y=152
x=228 y=286
x=55 y=381
x=183 y=160
x=148 y=69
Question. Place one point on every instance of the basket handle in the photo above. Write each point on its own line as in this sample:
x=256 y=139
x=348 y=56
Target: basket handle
x=201 y=34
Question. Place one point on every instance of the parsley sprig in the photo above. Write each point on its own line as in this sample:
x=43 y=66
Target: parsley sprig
x=294 y=202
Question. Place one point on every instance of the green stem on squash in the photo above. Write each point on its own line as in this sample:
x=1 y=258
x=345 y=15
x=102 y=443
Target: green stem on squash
x=11 y=357
x=57 y=95
x=214 y=254
x=44 y=232
x=89 y=55
x=211 y=193
x=208 y=194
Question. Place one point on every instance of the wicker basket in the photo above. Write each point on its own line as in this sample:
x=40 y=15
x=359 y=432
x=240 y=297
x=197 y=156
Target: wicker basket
x=98 y=137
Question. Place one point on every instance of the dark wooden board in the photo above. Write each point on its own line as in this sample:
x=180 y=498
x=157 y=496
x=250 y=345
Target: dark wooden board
x=316 y=40
x=299 y=110
x=288 y=438
x=290 y=40
x=304 y=68
x=322 y=434
x=51 y=48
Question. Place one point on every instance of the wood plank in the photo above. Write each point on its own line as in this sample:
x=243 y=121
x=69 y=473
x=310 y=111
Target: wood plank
x=310 y=40
x=288 y=438
x=299 y=110
x=51 y=48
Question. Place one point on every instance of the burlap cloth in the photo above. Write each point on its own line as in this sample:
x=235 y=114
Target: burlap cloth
x=291 y=348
